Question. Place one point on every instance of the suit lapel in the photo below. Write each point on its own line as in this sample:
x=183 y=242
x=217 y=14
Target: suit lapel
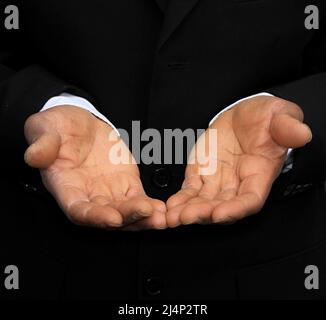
x=176 y=12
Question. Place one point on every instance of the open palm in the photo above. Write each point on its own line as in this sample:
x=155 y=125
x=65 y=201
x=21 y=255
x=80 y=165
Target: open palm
x=252 y=143
x=71 y=148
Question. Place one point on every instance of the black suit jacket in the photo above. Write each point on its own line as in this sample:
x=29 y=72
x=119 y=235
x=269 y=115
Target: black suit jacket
x=172 y=65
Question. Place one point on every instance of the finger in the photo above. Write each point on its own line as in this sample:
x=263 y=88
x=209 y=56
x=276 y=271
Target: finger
x=134 y=209
x=289 y=132
x=158 y=205
x=210 y=188
x=158 y=218
x=186 y=197
x=80 y=210
x=128 y=197
x=137 y=190
x=252 y=194
x=190 y=188
x=173 y=216
x=200 y=209
x=237 y=208
x=86 y=213
x=181 y=197
x=157 y=222
x=291 y=109
x=200 y=212
x=43 y=151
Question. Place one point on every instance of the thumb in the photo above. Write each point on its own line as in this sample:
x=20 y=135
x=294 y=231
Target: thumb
x=43 y=151
x=288 y=130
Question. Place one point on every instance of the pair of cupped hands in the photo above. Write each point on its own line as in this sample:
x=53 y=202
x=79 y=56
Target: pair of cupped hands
x=70 y=147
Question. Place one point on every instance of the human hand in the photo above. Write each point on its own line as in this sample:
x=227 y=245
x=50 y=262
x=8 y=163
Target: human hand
x=71 y=148
x=253 y=139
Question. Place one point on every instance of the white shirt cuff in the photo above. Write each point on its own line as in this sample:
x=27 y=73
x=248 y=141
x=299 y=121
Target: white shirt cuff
x=69 y=99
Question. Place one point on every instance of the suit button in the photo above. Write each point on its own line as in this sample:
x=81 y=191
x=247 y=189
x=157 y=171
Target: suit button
x=161 y=177
x=153 y=286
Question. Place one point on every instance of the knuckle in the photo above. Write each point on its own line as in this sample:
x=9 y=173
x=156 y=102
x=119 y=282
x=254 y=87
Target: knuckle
x=31 y=119
x=278 y=103
x=291 y=107
x=30 y=123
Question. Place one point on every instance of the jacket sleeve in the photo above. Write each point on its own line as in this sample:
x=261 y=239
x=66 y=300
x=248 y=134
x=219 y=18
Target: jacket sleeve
x=309 y=93
x=23 y=93
x=24 y=89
